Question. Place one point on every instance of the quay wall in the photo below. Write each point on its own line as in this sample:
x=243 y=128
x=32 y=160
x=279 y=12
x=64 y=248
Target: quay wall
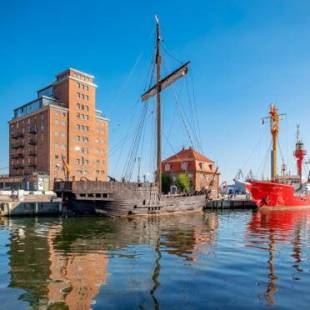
x=31 y=208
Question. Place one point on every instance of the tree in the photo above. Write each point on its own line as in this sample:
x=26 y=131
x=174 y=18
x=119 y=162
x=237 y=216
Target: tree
x=165 y=183
x=183 y=182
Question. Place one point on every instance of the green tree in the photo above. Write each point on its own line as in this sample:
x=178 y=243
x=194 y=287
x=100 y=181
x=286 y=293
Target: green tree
x=165 y=183
x=183 y=182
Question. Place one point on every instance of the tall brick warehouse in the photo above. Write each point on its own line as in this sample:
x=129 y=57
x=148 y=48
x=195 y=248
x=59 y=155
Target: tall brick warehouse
x=61 y=133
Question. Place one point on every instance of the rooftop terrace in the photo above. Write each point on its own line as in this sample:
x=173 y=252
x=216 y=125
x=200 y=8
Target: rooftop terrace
x=35 y=105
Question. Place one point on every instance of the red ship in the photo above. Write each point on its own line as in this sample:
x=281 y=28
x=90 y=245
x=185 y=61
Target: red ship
x=282 y=191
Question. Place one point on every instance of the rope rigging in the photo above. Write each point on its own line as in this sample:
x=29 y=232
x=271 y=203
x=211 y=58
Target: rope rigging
x=190 y=125
x=129 y=165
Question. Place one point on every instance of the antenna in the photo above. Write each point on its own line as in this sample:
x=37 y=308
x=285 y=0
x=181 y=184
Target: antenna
x=298 y=133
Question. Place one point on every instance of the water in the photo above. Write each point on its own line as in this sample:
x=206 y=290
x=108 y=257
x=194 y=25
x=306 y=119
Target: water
x=226 y=260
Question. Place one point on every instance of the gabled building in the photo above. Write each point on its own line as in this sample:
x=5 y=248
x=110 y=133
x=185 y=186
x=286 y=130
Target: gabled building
x=203 y=172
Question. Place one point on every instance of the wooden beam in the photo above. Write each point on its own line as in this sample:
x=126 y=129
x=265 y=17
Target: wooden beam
x=165 y=82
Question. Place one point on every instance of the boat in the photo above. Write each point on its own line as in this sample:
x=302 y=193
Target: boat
x=283 y=191
x=124 y=198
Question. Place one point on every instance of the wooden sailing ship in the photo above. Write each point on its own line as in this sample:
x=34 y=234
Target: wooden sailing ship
x=128 y=198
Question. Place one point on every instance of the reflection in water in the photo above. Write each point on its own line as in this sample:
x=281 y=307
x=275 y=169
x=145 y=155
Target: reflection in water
x=235 y=260
x=278 y=227
x=63 y=263
x=155 y=275
x=74 y=279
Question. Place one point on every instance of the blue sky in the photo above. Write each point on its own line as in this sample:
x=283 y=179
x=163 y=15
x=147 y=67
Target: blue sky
x=244 y=54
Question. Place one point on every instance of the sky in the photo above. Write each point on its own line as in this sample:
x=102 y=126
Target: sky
x=244 y=55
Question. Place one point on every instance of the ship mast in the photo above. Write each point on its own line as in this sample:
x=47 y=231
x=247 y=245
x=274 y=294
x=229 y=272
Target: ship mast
x=155 y=90
x=274 y=128
x=274 y=118
x=158 y=107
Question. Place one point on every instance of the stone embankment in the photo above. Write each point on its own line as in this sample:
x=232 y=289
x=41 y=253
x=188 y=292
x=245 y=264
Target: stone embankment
x=29 y=204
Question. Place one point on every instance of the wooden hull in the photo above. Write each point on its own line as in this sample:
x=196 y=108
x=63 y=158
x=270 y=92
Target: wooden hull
x=162 y=206
x=126 y=199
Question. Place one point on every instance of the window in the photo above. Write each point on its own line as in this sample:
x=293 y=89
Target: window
x=184 y=166
x=84 y=150
x=167 y=167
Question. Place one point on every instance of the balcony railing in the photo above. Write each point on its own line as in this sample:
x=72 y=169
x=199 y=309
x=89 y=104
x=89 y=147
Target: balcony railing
x=32 y=165
x=17 y=155
x=17 y=135
x=18 y=166
x=33 y=130
x=32 y=141
x=18 y=145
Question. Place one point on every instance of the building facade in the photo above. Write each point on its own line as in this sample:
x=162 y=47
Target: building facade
x=202 y=171
x=61 y=133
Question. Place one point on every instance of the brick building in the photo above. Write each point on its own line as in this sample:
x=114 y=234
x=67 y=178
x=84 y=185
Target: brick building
x=61 y=133
x=202 y=171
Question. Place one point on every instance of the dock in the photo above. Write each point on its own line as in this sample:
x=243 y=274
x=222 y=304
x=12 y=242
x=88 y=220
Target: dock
x=30 y=204
x=240 y=202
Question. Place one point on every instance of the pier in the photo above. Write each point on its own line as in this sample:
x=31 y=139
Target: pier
x=30 y=205
x=237 y=203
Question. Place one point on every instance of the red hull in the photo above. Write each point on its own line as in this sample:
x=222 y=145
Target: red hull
x=272 y=194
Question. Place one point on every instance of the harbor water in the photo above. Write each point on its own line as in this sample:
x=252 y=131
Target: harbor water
x=217 y=260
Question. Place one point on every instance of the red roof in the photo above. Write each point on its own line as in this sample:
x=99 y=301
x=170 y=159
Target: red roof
x=188 y=155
